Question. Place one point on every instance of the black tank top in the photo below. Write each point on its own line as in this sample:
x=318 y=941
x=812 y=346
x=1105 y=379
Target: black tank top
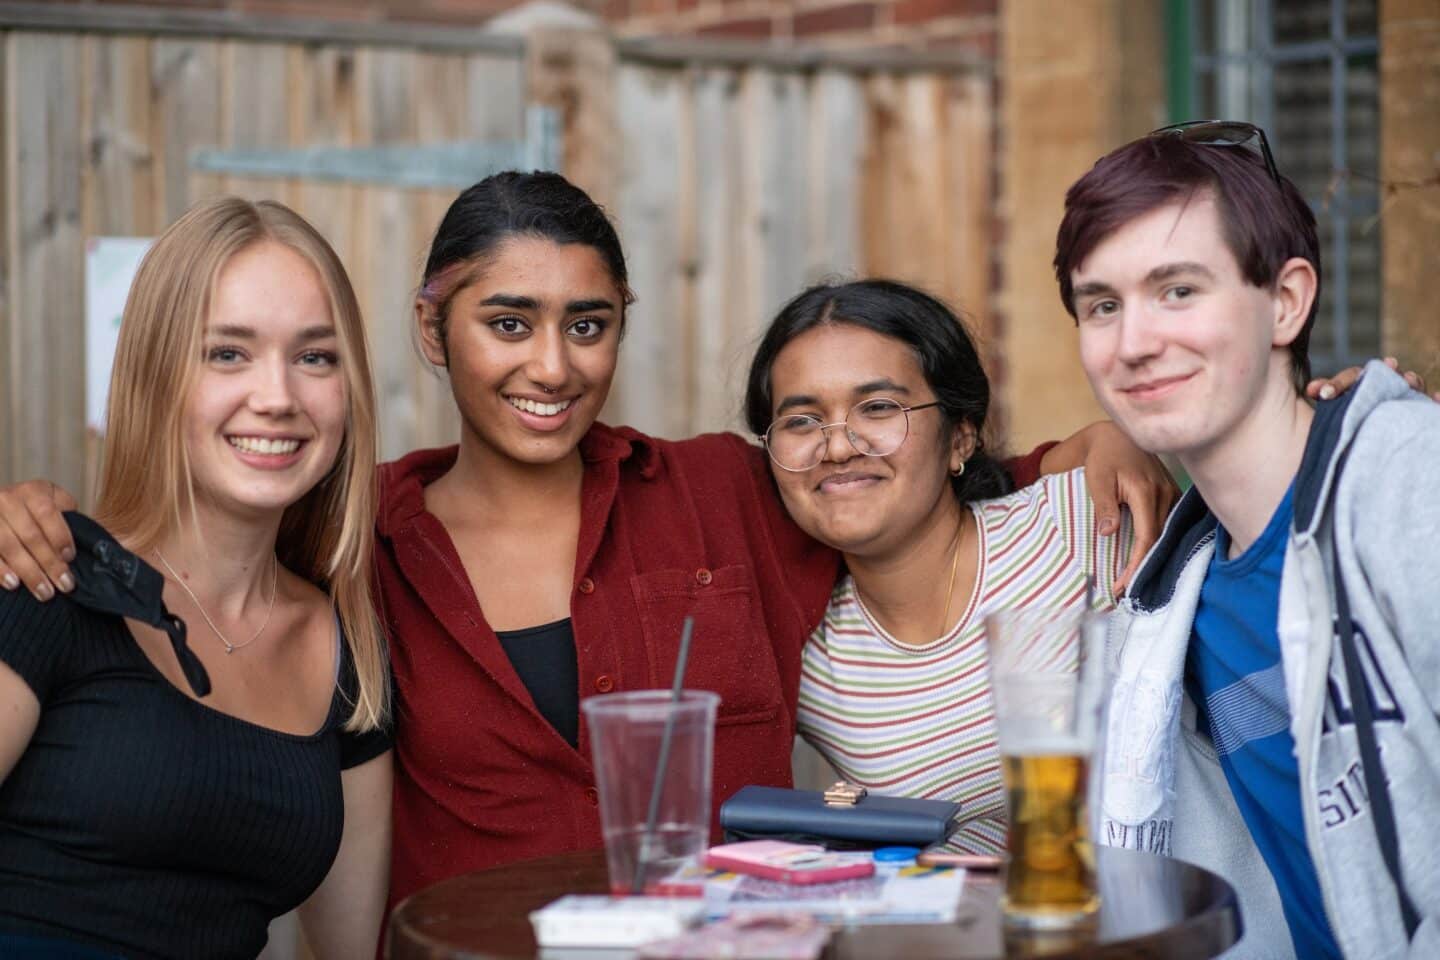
x=544 y=657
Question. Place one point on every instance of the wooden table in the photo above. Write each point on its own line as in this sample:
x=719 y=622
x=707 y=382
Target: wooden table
x=1150 y=907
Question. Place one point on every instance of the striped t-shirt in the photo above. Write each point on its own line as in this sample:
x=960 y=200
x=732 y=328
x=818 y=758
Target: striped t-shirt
x=918 y=721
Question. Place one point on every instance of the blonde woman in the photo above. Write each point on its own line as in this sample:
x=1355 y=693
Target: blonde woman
x=191 y=739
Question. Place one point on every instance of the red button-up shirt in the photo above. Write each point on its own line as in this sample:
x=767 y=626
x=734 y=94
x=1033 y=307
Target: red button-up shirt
x=666 y=529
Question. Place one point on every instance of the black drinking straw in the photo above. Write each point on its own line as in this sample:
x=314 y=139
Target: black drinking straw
x=663 y=760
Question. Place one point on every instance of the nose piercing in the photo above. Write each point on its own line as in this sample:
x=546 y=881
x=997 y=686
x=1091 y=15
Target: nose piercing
x=549 y=389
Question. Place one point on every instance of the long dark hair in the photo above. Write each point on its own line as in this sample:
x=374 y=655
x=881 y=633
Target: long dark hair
x=507 y=205
x=938 y=338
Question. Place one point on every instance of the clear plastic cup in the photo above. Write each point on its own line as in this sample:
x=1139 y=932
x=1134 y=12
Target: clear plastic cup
x=1047 y=676
x=627 y=736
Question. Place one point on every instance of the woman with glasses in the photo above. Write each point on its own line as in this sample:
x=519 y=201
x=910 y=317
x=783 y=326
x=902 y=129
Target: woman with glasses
x=549 y=557
x=872 y=402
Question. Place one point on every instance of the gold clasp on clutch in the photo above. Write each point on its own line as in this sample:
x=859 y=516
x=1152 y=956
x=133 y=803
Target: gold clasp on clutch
x=842 y=794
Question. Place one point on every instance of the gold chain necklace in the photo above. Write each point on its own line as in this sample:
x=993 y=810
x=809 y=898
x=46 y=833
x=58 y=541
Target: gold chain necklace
x=229 y=647
x=954 y=566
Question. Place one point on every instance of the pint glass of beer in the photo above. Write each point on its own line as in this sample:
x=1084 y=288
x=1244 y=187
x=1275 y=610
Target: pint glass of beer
x=1047 y=674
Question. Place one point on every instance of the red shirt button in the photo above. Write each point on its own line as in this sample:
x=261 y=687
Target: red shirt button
x=703 y=577
x=592 y=796
x=604 y=683
x=586 y=586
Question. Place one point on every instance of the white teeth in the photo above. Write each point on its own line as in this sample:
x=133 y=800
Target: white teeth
x=264 y=445
x=539 y=409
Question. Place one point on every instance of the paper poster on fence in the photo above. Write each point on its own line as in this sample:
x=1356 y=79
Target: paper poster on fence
x=110 y=266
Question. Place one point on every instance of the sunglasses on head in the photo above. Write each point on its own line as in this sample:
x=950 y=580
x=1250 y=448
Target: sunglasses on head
x=1223 y=133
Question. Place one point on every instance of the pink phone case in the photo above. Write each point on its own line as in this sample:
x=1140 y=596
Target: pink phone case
x=787 y=862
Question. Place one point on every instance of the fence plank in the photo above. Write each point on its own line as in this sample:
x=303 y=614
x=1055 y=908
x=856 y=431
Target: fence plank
x=322 y=112
x=386 y=89
x=715 y=299
x=445 y=112
x=649 y=384
x=255 y=88
x=118 y=172
x=837 y=140
x=970 y=203
x=185 y=82
x=46 y=256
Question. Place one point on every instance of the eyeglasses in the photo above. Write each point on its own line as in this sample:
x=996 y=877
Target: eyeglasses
x=1223 y=133
x=875 y=427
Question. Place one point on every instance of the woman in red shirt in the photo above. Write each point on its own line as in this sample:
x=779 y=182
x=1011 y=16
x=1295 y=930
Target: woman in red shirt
x=544 y=527
x=549 y=557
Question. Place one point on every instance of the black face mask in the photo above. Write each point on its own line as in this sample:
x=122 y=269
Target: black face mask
x=110 y=579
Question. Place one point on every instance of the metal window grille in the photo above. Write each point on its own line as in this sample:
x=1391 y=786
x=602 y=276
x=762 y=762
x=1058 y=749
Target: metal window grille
x=1307 y=71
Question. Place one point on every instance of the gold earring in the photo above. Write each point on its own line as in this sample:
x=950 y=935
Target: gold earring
x=960 y=471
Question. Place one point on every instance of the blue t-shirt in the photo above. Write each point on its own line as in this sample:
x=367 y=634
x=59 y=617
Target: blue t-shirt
x=1234 y=675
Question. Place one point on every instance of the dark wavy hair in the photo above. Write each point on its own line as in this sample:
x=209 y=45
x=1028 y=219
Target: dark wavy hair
x=938 y=338
x=1263 y=223
x=507 y=205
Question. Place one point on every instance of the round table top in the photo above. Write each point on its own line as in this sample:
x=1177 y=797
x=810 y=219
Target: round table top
x=1151 y=906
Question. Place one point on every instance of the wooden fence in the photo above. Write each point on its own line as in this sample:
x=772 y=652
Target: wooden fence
x=736 y=175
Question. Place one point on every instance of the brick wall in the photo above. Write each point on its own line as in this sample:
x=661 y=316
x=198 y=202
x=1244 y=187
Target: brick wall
x=967 y=24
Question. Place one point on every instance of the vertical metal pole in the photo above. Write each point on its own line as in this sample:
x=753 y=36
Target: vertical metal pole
x=1263 y=76
x=1339 y=268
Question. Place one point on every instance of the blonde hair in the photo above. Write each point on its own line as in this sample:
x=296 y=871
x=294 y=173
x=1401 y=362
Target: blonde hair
x=146 y=485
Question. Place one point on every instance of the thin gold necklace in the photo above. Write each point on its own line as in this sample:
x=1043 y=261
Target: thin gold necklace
x=229 y=647
x=954 y=566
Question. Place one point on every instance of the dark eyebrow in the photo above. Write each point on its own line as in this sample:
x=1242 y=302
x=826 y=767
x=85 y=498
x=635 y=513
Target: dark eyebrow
x=588 y=306
x=882 y=385
x=512 y=300
x=795 y=400
x=519 y=302
x=1168 y=270
x=1092 y=289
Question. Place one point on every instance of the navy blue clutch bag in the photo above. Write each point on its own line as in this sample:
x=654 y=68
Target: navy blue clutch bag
x=851 y=818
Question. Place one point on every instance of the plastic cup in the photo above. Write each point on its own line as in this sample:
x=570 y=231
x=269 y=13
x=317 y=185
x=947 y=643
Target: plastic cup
x=627 y=731
x=1047 y=674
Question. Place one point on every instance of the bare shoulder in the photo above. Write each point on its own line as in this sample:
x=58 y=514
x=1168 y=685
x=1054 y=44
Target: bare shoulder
x=304 y=605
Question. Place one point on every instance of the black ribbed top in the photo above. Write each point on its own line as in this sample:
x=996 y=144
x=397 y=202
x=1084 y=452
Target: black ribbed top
x=544 y=657
x=143 y=822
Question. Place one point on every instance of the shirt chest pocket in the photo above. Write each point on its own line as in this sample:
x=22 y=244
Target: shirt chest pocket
x=730 y=652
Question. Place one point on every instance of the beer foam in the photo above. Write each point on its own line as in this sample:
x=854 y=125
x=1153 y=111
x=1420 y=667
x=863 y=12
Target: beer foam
x=1048 y=746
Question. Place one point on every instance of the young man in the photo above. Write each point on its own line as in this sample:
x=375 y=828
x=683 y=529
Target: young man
x=1192 y=269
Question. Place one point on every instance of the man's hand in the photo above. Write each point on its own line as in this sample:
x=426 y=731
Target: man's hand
x=35 y=543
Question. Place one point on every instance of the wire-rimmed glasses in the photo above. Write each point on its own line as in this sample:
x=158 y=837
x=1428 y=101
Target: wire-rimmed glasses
x=1223 y=133
x=875 y=428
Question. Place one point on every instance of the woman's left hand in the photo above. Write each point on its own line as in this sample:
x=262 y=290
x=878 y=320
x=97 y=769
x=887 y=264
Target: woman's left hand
x=1116 y=472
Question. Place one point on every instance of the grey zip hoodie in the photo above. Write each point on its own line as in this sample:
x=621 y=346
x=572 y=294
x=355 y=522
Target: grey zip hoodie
x=1163 y=788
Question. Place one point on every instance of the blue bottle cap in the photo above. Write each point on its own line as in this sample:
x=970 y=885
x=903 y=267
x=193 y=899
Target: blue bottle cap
x=896 y=854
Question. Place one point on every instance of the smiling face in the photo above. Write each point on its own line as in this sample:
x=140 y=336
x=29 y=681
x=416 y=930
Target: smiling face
x=862 y=505
x=1179 y=348
x=531 y=345
x=266 y=415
